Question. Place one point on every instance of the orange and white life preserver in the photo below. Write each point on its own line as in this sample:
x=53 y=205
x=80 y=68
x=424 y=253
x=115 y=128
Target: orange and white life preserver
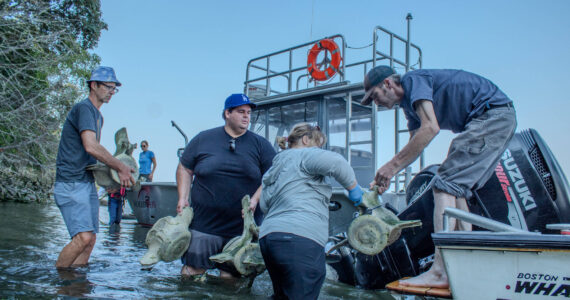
x=326 y=74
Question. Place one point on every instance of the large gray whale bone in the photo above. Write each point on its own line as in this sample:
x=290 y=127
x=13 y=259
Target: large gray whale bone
x=168 y=238
x=241 y=251
x=376 y=228
x=109 y=178
x=122 y=143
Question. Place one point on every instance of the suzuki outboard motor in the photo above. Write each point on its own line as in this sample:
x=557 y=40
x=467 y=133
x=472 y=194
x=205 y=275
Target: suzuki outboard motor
x=527 y=190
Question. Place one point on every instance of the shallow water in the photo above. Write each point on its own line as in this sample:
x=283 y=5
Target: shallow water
x=31 y=236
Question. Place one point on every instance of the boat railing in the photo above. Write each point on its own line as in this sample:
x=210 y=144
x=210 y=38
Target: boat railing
x=480 y=221
x=281 y=77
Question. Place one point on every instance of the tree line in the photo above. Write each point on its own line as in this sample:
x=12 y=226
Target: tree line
x=45 y=59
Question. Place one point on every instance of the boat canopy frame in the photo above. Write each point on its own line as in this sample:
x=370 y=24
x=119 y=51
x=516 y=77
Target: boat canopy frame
x=334 y=105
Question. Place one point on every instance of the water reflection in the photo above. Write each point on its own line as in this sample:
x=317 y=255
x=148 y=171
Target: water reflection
x=32 y=235
x=74 y=283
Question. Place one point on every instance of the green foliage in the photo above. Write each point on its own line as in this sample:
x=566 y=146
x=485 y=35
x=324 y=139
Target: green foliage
x=44 y=60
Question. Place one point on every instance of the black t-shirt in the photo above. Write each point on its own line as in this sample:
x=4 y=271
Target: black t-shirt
x=222 y=177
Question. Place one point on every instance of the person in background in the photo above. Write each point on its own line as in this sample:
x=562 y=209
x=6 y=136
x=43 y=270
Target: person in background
x=146 y=160
x=74 y=190
x=115 y=206
x=463 y=102
x=222 y=165
x=295 y=199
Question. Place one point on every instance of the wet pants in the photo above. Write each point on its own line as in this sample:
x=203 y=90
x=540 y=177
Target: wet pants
x=295 y=264
x=115 y=209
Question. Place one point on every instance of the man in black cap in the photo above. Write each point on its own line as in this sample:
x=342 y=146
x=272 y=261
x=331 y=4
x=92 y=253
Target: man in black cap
x=463 y=102
x=221 y=165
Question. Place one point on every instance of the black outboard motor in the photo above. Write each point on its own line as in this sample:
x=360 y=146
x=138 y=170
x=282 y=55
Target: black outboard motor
x=527 y=190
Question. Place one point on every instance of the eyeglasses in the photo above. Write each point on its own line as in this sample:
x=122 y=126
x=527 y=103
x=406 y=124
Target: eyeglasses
x=110 y=87
x=144 y=146
x=233 y=145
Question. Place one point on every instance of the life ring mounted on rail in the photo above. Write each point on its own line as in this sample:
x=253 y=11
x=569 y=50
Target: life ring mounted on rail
x=314 y=71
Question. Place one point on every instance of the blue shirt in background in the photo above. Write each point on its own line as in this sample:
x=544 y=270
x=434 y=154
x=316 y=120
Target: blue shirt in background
x=145 y=162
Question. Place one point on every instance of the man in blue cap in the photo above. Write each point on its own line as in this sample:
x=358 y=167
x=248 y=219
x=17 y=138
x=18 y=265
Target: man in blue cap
x=222 y=165
x=463 y=102
x=74 y=189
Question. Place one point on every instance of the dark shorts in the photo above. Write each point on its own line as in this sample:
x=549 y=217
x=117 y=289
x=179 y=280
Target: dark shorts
x=202 y=246
x=79 y=206
x=295 y=264
x=144 y=178
x=474 y=153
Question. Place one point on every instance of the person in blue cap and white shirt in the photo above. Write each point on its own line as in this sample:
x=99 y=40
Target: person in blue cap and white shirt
x=456 y=100
x=74 y=190
x=222 y=165
x=295 y=199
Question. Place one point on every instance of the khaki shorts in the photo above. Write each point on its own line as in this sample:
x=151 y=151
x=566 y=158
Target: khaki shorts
x=474 y=153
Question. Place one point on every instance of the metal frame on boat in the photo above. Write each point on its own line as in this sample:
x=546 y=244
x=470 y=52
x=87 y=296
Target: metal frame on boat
x=285 y=94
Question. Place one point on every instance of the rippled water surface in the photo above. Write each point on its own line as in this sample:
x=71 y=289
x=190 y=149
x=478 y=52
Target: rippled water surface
x=32 y=235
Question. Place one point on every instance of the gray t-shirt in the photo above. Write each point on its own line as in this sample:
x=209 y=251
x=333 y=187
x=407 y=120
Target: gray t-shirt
x=457 y=96
x=296 y=192
x=71 y=155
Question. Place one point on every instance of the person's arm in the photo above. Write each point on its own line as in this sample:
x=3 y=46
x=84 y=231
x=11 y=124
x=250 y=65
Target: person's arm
x=183 y=182
x=255 y=199
x=95 y=149
x=420 y=138
x=153 y=168
x=327 y=163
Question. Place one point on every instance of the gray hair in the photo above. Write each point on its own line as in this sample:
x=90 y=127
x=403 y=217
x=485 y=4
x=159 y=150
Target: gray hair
x=396 y=78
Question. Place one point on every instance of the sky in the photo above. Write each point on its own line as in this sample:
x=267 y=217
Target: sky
x=179 y=60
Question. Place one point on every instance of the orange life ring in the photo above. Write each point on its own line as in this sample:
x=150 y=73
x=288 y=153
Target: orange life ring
x=326 y=74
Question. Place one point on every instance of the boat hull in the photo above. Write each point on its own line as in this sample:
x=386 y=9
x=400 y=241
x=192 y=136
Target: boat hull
x=153 y=201
x=506 y=266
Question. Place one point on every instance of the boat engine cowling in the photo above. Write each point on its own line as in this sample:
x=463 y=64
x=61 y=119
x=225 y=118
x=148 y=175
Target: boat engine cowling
x=527 y=190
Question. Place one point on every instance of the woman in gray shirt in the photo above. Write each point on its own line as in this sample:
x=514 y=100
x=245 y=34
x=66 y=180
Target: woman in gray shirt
x=295 y=199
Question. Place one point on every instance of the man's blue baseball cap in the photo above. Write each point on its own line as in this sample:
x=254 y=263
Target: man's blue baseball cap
x=104 y=74
x=235 y=100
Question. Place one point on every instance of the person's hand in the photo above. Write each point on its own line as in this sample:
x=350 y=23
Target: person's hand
x=382 y=179
x=252 y=205
x=126 y=177
x=181 y=204
x=150 y=177
x=355 y=195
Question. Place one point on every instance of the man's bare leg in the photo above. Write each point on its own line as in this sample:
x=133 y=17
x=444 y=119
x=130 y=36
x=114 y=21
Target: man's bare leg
x=461 y=203
x=83 y=258
x=189 y=271
x=81 y=245
x=436 y=275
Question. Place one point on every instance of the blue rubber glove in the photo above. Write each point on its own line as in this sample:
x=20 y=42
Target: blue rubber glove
x=355 y=195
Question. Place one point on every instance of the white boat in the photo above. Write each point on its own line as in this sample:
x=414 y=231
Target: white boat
x=505 y=264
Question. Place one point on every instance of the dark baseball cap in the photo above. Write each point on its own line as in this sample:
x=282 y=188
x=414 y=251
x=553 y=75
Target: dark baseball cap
x=373 y=78
x=235 y=100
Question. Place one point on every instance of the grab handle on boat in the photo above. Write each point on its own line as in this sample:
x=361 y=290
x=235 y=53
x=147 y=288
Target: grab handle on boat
x=564 y=228
x=479 y=221
x=181 y=132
